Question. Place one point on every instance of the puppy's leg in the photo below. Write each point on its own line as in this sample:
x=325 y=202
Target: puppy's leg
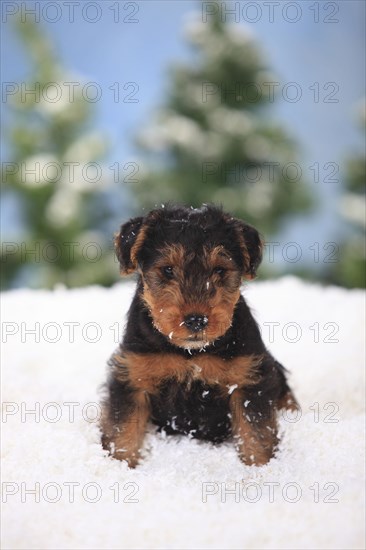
x=286 y=398
x=124 y=418
x=254 y=429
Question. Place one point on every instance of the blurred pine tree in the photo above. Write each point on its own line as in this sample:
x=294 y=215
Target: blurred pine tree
x=212 y=141
x=350 y=270
x=62 y=209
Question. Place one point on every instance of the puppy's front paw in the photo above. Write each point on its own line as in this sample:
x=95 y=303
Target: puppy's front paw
x=132 y=457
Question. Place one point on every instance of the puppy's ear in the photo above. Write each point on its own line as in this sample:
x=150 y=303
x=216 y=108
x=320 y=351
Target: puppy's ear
x=127 y=243
x=252 y=248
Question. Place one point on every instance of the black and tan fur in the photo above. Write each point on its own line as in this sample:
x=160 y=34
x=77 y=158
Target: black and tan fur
x=192 y=360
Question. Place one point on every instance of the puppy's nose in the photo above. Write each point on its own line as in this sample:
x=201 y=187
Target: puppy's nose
x=195 y=323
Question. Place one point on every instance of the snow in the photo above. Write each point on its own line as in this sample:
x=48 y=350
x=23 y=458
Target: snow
x=186 y=494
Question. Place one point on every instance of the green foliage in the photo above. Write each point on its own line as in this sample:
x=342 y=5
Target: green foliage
x=213 y=141
x=350 y=270
x=60 y=207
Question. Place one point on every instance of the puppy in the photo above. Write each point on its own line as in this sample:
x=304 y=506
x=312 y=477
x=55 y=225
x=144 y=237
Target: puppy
x=192 y=359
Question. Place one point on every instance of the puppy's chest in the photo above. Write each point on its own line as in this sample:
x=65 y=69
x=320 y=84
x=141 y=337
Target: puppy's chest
x=148 y=372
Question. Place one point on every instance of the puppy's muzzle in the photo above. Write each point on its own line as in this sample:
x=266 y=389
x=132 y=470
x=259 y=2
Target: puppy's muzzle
x=195 y=323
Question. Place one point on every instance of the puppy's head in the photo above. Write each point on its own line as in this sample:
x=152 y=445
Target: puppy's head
x=191 y=262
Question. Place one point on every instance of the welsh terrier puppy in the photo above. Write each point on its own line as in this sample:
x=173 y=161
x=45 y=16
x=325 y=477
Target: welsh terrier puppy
x=192 y=359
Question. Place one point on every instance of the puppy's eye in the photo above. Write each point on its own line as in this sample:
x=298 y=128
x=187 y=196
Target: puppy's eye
x=168 y=271
x=219 y=271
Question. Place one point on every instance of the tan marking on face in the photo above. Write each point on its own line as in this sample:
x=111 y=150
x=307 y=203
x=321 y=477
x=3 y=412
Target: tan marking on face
x=214 y=297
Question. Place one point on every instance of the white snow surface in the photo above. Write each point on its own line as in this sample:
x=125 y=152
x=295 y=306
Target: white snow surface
x=186 y=493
